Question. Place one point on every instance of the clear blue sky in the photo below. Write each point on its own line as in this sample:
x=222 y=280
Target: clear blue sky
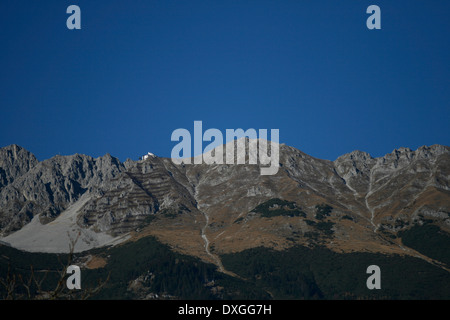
x=137 y=70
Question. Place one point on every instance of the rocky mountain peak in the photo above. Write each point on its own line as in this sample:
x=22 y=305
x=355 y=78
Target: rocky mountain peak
x=49 y=187
x=355 y=155
x=14 y=162
x=404 y=157
x=354 y=168
x=432 y=151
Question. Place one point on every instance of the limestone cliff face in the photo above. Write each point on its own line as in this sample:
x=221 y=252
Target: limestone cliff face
x=49 y=187
x=129 y=200
x=14 y=162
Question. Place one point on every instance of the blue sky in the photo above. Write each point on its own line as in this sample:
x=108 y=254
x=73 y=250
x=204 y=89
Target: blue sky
x=138 y=70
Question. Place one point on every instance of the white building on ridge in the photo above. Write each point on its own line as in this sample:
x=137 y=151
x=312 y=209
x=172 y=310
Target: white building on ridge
x=148 y=155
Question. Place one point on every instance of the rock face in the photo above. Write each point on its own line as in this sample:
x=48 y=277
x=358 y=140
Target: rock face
x=201 y=209
x=14 y=162
x=50 y=186
x=128 y=201
x=355 y=168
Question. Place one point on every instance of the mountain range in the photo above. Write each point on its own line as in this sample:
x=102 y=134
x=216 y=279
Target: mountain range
x=395 y=205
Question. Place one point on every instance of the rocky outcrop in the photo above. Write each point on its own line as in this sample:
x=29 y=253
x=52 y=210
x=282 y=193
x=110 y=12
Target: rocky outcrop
x=14 y=162
x=51 y=186
x=128 y=201
x=355 y=168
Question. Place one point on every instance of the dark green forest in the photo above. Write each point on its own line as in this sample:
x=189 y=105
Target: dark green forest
x=164 y=274
x=278 y=207
x=296 y=273
x=319 y=273
x=430 y=240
